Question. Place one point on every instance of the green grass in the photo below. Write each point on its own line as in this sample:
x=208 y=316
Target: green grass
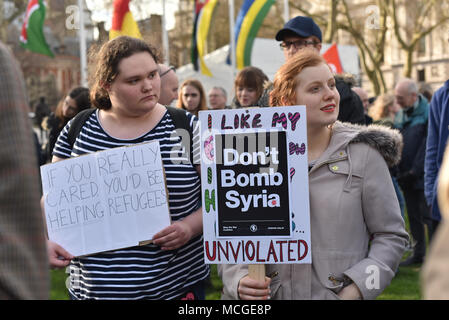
x=58 y=288
x=213 y=291
x=405 y=286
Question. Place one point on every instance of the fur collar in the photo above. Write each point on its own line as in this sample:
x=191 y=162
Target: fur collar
x=387 y=141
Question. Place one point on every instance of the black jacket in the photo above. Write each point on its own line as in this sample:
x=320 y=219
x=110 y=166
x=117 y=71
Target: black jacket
x=53 y=127
x=414 y=133
x=351 y=107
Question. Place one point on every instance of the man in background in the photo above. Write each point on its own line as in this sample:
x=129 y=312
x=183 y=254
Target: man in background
x=437 y=135
x=169 y=85
x=302 y=32
x=412 y=122
x=363 y=95
x=217 y=98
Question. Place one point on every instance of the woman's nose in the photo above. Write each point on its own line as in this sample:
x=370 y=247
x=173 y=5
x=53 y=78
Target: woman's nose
x=330 y=93
x=146 y=85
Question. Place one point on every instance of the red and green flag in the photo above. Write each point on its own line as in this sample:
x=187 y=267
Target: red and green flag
x=32 y=35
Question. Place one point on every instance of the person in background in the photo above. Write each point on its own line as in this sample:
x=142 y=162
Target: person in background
x=437 y=135
x=217 y=98
x=434 y=275
x=426 y=90
x=42 y=111
x=302 y=32
x=75 y=101
x=125 y=91
x=363 y=95
x=192 y=97
x=412 y=121
x=383 y=112
x=169 y=84
x=23 y=255
x=355 y=218
x=371 y=101
x=249 y=86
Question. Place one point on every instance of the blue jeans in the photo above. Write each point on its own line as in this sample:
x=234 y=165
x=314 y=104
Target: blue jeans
x=399 y=195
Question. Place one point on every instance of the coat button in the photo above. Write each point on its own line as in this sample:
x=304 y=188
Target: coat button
x=335 y=168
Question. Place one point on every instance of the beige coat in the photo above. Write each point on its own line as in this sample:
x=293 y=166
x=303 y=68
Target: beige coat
x=434 y=274
x=356 y=225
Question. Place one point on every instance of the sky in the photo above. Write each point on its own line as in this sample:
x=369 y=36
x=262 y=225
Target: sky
x=99 y=13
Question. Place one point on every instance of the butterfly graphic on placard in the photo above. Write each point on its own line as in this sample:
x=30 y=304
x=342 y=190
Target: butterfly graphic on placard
x=295 y=148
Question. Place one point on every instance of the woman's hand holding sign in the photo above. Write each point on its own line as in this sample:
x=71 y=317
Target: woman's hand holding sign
x=174 y=236
x=180 y=232
x=58 y=257
x=250 y=289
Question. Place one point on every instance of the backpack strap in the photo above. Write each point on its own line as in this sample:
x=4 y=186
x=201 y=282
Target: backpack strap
x=179 y=117
x=77 y=123
x=181 y=121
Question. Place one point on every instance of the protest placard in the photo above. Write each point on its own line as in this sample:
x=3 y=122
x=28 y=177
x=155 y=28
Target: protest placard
x=255 y=185
x=106 y=200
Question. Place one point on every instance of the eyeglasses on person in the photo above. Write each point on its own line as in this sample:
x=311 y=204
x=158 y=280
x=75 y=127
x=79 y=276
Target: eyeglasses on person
x=167 y=71
x=298 y=44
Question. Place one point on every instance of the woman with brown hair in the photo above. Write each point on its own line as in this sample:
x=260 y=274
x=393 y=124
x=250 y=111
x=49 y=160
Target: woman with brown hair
x=125 y=91
x=357 y=233
x=249 y=88
x=191 y=97
x=76 y=101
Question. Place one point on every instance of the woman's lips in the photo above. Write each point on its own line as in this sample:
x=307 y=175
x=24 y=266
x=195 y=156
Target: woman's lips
x=150 y=97
x=328 y=108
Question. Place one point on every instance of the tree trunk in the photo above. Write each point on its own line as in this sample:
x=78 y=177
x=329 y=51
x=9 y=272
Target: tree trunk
x=331 y=22
x=408 y=62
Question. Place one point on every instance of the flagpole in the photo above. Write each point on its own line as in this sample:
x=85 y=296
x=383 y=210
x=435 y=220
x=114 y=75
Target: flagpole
x=165 y=36
x=286 y=11
x=232 y=37
x=82 y=34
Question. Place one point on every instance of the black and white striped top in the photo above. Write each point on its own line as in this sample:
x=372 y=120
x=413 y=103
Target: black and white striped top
x=143 y=272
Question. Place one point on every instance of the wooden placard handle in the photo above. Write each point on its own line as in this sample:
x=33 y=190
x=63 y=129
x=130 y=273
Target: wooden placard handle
x=256 y=272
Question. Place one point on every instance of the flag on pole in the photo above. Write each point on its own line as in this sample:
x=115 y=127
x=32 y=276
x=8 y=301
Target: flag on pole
x=32 y=35
x=123 y=23
x=250 y=18
x=204 y=10
x=333 y=59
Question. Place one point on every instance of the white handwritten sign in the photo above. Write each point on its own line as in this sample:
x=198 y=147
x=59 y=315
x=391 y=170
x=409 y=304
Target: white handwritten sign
x=106 y=200
x=255 y=185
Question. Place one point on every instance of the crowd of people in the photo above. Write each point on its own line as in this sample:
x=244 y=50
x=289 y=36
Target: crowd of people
x=393 y=146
